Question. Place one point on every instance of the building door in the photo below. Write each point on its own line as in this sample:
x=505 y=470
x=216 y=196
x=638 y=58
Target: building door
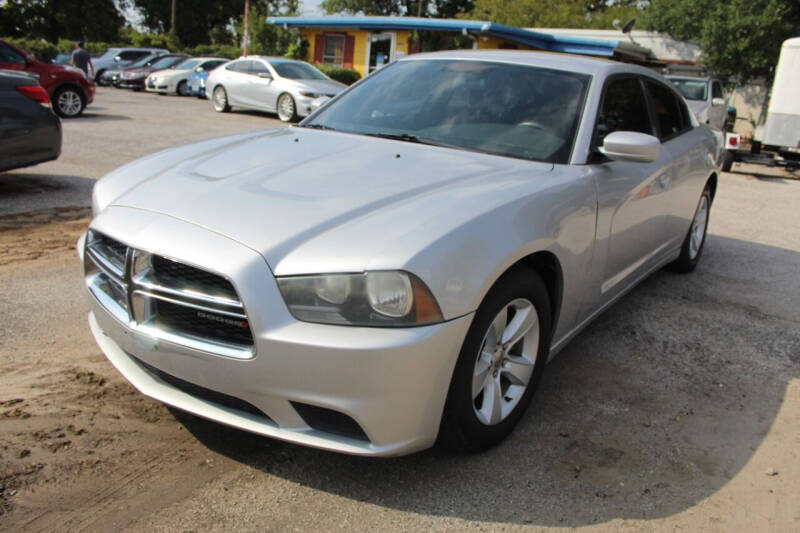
x=380 y=49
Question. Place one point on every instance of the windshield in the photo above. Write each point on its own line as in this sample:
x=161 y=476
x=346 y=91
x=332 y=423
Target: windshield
x=189 y=64
x=295 y=70
x=691 y=89
x=166 y=62
x=498 y=108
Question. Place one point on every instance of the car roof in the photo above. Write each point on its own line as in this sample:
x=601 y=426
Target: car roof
x=554 y=60
x=689 y=77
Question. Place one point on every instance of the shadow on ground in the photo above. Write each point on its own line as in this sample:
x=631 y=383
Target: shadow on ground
x=22 y=191
x=653 y=408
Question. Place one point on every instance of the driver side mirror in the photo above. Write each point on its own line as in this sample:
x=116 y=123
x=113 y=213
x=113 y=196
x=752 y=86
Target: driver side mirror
x=118 y=59
x=199 y=69
x=717 y=101
x=265 y=75
x=631 y=146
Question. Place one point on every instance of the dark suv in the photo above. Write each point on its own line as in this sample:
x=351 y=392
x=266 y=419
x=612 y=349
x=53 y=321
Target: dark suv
x=69 y=89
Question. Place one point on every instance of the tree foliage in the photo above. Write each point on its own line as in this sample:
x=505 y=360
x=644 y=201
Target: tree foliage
x=739 y=38
x=94 y=20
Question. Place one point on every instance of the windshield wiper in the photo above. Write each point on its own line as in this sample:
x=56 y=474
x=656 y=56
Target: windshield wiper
x=317 y=127
x=408 y=137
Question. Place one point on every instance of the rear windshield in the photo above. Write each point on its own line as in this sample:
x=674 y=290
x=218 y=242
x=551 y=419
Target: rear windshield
x=692 y=89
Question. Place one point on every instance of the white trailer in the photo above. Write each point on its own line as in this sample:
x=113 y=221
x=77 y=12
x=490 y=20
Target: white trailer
x=776 y=141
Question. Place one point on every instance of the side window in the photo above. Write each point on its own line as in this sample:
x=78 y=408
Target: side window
x=624 y=108
x=8 y=55
x=258 y=67
x=211 y=65
x=131 y=55
x=670 y=119
x=240 y=66
x=716 y=90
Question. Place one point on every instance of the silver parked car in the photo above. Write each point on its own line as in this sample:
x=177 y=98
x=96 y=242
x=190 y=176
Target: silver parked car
x=287 y=87
x=120 y=59
x=399 y=267
x=706 y=99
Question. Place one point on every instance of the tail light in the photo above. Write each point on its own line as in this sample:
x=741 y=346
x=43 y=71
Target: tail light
x=35 y=93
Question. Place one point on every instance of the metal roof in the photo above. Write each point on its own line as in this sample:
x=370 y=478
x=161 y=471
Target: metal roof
x=532 y=38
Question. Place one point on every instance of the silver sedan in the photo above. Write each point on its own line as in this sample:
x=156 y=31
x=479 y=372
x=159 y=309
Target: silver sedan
x=292 y=89
x=397 y=269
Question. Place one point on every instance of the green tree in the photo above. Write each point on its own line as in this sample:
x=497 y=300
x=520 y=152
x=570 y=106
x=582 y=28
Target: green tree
x=739 y=38
x=93 y=20
x=196 y=20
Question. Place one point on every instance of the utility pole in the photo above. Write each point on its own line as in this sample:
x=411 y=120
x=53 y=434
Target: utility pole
x=245 y=33
x=172 y=19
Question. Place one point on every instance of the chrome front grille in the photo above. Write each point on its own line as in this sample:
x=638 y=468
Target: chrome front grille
x=167 y=299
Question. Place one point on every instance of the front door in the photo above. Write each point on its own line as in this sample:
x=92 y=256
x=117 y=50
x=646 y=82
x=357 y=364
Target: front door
x=631 y=195
x=380 y=49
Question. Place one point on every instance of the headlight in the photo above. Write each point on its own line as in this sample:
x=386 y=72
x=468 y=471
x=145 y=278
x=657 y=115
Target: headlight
x=383 y=298
x=310 y=95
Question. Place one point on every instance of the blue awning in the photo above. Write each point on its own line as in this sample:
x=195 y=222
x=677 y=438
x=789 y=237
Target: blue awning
x=534 y=39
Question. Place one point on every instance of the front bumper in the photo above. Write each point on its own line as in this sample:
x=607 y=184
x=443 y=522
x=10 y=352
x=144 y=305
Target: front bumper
x=131 y=83
x=392 y=382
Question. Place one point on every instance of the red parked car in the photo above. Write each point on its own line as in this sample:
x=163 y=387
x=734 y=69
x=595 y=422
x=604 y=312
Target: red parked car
x=69 y=89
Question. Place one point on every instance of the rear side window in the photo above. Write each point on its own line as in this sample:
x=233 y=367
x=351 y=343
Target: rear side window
x=132 y=55
x=258 y=67
x=8 y=55
x=240 y=66
x=624 y=108
x=670 y=116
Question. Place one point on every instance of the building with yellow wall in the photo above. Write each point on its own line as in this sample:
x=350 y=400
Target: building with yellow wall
x=368 y=43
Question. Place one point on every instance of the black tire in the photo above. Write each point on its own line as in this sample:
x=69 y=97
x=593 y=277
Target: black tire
x=687 y=261
x=460 y=429
x=97 y=78
x=217 y=101
x=286 y=108
x=68 y=102
x=182 y=89
x=726 y=162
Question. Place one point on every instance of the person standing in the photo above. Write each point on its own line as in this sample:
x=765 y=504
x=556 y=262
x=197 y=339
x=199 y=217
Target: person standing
x=82 y=60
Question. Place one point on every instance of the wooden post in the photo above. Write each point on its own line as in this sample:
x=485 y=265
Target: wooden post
x=246 y=33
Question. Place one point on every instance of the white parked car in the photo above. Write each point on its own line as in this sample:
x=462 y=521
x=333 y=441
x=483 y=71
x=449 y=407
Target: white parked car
x=290 y=88
x=399 y=267
x=706 y=99
x=175 y=80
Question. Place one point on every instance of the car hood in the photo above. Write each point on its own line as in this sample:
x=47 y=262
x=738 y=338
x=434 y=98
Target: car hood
x=319 y=86
x=697 y=106
x=307 y=200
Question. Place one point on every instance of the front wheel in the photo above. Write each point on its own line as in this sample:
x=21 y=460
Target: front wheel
x=693 y=243
x=287 y=111
x=220 y=100
x=68 y=102
x=182 y=89
x=500 y=363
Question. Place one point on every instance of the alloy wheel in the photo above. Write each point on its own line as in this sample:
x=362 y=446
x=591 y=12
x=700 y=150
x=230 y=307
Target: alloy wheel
x=220 y=99
x=69 y=103
x=698 y=231
x=504 y=367
x=286 y=108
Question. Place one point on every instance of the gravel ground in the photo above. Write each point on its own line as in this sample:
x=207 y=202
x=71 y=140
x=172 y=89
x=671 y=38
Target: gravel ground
x=678 y=408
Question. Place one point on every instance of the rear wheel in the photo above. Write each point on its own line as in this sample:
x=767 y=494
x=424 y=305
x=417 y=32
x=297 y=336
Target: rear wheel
x=692 y=247
x=68 y=102
x=220 y=100
x=727 y=161
x=287 y=111
x=500 y=363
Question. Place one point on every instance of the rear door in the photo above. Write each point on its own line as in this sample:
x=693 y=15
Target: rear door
x=631 y=210
x=236 y=82
x=685 y=146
